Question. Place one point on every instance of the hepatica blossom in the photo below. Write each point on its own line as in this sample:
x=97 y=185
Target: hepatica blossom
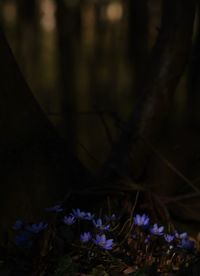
x=23 y=239
x=77 y=213
x=168 y=238
x=56 y=208
x=102 y=242
x=187 y=244
x=69 y=220
x=88 y=216
x=90 y=242
x=181 y=236
x=85 y=237
x=36 y=227
x=141 y=220
x=155 y=230
x=99 y=225
x=113 y=217
x=18 y=225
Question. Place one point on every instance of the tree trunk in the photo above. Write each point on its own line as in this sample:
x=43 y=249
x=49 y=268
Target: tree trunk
x=37 y=167
x=193 y=78
x=169 y=57
x=138 y=39
x=68 y=26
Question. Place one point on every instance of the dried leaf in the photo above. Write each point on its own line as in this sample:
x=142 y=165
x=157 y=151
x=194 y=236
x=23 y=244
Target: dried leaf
x=129 y=270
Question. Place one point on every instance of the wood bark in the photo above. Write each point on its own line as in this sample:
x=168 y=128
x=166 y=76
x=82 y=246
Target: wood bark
x=194 y=73
x=37 y=166
x=168 y=61
x=138 y=39
x=68 y=27
x=37 y=161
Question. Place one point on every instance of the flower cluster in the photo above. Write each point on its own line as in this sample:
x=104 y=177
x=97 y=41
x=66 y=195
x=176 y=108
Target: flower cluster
x=25 y=233
x=181 y=239
x=99 y=225
x=98 y=236
x=56 y=208
x=82 y=215
x=139 y=241
x=99 y=240
x=141 y=220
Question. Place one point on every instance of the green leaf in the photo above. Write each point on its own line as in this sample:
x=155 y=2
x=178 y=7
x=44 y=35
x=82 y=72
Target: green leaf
x=99 y=271
x=66 y=265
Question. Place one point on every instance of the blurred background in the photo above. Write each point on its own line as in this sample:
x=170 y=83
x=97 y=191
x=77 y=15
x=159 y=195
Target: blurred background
x=84 y=61
x=79 y=58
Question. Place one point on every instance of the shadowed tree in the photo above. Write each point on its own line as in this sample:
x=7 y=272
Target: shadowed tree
x=138 y=39
x=68 y=26
x=30 y=147
x=194 y=73
x=37 y=166
x=130 y=155
x=27 y=31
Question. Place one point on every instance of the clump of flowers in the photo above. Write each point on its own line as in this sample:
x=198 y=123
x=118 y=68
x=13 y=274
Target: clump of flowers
x=90 y=241
x=26 y=233
x=102 y=242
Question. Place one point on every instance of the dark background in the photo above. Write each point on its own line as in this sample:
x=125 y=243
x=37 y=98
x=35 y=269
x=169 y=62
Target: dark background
x=86 y=63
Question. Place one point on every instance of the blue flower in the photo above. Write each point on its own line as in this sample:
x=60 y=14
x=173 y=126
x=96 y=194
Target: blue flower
x=99 y=224
x=141 y=220
x=168 y=238
x=56 y=208
x=181 y=236
x=155 y=230
x=23 y=239
x=113 y=217
x=187 y=244
x=69 y=220
x=77 y=213
x=36 y=227
x=103 y=242
x=85 y=237
x=88 y=216
x=18 y=224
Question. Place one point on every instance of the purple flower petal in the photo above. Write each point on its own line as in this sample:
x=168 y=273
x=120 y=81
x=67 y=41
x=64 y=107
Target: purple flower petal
x=168 y=238
x=69 y=220
x=103 y=243
x=77 y=213
x=56 y=208
x=181 y=236
x=157 y=231
x=18 y=224
x=85 y=237
x=99 y=225
x=141 y=220
x=36 y=227
x=23 y=239
x=187 y=244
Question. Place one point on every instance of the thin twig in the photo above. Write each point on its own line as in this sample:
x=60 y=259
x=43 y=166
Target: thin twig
x=165 y=210
x=131 y=219
x=88 y=153
x=109 y=206
x=107 y=131
x=196 y=180
x=172 y=167
x=162 y=205
x=82 y=112
x=180 y=198
x=134 y=205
